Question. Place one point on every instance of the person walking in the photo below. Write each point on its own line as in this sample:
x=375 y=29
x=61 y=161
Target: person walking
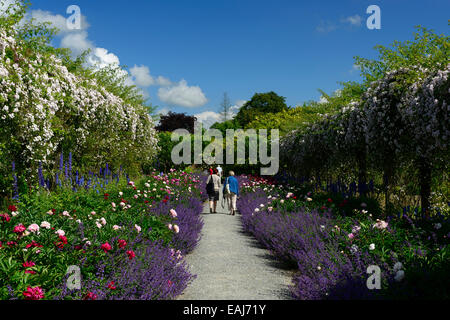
x=212 y=188
x=231 y=191
x=219 y=171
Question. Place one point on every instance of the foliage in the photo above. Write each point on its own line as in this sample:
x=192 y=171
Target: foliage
x=111 y=219
x=260 y=103
x=333 y=240
x=50 y=104
x=172 y=121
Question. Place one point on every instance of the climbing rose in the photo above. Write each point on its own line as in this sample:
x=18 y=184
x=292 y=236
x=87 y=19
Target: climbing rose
x=35 y=293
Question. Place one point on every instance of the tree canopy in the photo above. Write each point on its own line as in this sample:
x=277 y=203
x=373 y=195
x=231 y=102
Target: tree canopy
x=261 y=103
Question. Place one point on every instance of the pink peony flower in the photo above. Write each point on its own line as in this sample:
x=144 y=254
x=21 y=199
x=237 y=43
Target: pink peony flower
x=90 y=296
x=35 y=293
x=351 y=235
x=380 y=224
x=106 y=247
x=131 y=254
x=173 y=213
x=19 y=229
x=170 y=226
x=28 y=264
x=122 y=243
x=33 y=228
x=45 y=225
x=137 y=228
x=60 y=232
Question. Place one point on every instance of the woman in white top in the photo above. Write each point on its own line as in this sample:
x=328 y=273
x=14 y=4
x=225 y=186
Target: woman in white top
x=212 y=188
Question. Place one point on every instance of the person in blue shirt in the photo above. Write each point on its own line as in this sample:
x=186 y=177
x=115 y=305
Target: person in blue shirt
x=231 y=192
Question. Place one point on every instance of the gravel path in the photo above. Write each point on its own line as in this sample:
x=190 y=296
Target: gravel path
x=231 y=265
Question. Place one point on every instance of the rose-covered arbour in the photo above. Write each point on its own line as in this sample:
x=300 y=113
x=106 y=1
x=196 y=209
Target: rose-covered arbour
x=396 y=125
x=50 y=104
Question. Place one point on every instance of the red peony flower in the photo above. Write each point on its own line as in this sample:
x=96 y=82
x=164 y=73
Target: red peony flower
x=122 y=243
x=5 y=217
x=131 y=254
x=19 y=229
x=106 y=247
x=330 y=200
x=11 y=243
x=112 y=286
x=90 y=296
x=28 y=264
x=63 y=239
x=35 y=293
x=12 y=208
x=33 y=244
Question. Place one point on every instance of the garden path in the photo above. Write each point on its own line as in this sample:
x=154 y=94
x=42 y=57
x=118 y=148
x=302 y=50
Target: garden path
x=231 y=265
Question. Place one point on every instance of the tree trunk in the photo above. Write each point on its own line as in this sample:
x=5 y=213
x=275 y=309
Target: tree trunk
x=362 y=175
x=425 y=185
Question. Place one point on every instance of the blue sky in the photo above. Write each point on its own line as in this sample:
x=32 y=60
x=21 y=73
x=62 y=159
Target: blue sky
x=239 y=46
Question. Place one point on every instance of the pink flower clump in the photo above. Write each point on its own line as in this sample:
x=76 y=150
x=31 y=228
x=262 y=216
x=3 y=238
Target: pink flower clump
x=35 y=293
x=106 y=247
x=19 y=229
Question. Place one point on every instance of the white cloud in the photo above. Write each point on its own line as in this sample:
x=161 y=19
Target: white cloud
x=57 y=20
x=163 y=82
x=77 y=42
x=355 y=68
x=183 y=95
x=141 y=76
x=163 y=111
x=326 y=26
x=355 y=20
x=208 y=118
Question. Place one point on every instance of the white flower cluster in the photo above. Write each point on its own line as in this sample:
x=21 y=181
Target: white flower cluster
x=392 y=117
x=42 y=104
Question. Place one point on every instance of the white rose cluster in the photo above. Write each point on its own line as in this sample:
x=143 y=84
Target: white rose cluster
x=43 y=106
x=404 y=116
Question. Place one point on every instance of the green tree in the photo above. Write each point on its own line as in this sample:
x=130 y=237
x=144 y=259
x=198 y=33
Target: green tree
x=261 y=103
x=428 y=51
